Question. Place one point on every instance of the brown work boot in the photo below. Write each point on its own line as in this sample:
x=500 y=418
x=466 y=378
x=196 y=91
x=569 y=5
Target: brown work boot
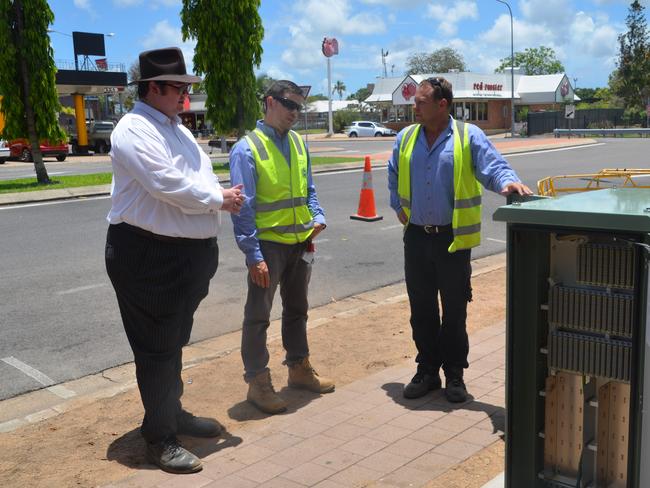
x=263 y=396
x=302 y=375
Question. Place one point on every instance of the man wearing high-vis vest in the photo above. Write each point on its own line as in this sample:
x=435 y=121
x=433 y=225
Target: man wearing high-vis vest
x=434 y=177
x=278 y=221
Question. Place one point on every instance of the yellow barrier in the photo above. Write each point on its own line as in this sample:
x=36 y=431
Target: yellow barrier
x=624 y=178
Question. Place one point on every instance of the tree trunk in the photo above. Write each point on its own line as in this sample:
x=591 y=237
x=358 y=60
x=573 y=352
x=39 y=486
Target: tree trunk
x=41 y=173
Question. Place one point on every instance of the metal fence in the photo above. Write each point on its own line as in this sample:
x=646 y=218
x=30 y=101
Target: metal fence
x=597 y=118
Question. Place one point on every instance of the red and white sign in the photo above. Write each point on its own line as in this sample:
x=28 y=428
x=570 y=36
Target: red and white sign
x=408 y=90
x=330 y=47
x=491 y=87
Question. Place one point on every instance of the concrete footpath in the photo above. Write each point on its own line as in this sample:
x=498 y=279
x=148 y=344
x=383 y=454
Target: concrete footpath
x=363 y=434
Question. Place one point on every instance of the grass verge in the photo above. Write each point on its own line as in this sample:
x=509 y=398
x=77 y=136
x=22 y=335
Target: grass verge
x=75 y=181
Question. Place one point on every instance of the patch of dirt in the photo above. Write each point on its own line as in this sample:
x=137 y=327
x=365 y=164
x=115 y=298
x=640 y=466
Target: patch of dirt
x=98 y=443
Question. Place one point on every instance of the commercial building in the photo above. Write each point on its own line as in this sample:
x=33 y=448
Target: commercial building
x=482 y=99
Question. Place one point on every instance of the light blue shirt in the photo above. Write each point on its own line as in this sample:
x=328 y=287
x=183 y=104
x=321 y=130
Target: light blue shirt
x=242 y=170
x=432 y=173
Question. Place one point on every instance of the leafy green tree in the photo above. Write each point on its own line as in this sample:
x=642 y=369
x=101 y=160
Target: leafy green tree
x=534 y=61
x=228 y=37
x=361 y=94
x=585 y=93
x=631 y=80
x=316 y=97
x=27 y=77
x=263 y=82
x=439 y=61
x=339 y=87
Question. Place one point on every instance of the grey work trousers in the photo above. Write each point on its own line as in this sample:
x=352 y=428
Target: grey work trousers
x=292 y=273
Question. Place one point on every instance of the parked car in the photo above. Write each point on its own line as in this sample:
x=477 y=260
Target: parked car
x=4 y=151
x=21 y=149
x=99 y=136
x=363 y=128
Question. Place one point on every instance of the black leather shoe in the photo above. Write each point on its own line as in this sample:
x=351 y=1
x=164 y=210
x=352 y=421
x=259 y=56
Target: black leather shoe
x=188 y=424
x=170 y=456
x=421 y=384
x=455 y=390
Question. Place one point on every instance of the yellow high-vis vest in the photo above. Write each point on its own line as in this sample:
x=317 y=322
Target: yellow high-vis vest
x=281 y=211
x=466 y=218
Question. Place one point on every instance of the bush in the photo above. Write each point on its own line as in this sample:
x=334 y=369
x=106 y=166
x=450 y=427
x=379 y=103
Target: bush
x=521 y=115
x=342 y=118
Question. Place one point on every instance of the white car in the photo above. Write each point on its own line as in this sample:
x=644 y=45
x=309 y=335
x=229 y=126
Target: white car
x=4 y=151
x=364 y=128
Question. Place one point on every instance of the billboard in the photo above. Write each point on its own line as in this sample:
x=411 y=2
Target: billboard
x=86 y=43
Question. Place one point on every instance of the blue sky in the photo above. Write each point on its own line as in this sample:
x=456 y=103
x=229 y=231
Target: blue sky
x=582 y=32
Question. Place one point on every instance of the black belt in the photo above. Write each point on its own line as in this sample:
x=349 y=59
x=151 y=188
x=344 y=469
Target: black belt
x=434 y=229
x=185 y=241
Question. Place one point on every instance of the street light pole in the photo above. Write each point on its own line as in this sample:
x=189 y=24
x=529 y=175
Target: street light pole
x=512 y=71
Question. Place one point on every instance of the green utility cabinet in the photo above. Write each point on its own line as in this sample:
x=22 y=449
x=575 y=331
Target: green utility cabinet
x=577 y=340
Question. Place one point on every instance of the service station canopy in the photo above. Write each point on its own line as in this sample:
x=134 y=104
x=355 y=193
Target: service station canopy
x=69 y=82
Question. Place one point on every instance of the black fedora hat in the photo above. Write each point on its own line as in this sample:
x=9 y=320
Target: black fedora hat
x=165 y=65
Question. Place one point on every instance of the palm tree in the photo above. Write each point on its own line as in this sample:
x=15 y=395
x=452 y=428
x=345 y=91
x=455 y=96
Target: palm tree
x=339 y=87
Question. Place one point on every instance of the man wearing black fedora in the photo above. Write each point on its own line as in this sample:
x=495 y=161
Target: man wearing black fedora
x=161 y=248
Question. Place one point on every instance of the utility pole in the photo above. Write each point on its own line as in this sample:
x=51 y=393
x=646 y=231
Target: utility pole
x=512 y=71
x=383 y=61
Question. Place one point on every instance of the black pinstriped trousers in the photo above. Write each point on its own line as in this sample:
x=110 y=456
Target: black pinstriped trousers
x=158 y=286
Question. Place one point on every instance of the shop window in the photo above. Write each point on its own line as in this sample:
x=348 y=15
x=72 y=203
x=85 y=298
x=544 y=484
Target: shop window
x=472 y=111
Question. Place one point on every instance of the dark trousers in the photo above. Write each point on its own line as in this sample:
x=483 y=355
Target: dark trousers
x=158 y=286
x=431 y=270
x=292 y=273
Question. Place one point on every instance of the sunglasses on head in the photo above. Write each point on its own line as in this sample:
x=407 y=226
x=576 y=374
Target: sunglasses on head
x=434 y=82
x=289 y=104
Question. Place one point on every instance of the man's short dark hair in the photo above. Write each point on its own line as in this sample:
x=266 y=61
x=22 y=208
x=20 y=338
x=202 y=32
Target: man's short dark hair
x=143 y=88
x=280 y=89
x=441 y=89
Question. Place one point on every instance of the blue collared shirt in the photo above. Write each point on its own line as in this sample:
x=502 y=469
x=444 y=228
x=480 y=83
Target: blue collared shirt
x=432 y=173
x=242 y=170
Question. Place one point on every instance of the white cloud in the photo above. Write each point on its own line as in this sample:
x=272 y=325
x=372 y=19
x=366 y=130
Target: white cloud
x=593 y=39
x=314 y=21
x=85 y=5
x=163 y=34
x=450 y=16
x=153 y=4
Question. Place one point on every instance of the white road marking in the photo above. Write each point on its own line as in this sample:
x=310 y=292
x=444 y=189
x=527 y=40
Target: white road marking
x=389 y=227
x=80 y=288
x=542 y=151
x=495 y=240
x=42 y=378
x=319 y=241
x=59 y=390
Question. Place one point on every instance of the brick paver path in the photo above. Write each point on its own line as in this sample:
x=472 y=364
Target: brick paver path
x=364 y=433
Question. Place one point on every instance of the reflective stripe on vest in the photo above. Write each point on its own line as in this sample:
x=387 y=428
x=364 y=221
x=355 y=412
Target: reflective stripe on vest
x=466 y=217
x=281 y=211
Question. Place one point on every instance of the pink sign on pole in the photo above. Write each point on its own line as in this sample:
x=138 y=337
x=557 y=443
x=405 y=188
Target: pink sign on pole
x=330 y=47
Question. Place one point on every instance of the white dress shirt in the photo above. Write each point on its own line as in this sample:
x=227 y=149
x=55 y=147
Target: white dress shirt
x=162 y=180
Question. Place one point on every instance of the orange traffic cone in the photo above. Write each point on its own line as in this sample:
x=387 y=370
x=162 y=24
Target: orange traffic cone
x=367 y=210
